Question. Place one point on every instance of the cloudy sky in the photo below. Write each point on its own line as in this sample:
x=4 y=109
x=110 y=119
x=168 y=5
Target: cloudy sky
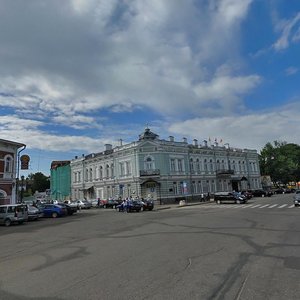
x=76 y=74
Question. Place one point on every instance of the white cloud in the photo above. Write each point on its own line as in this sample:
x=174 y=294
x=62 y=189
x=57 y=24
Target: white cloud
x=122 y=55
x=250 y=131
x=288 y=34
x=291 y=71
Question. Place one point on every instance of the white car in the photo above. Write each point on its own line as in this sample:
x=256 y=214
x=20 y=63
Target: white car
x=83 y=204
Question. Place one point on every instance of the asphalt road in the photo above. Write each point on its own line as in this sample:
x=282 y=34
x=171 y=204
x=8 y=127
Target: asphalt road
x=207 y=251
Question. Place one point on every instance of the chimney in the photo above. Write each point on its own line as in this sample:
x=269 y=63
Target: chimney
x=184 y=139
x=171 y=138
x=76 y=157
x=195 y=142
x=108 y=147
x=205 y=143
x=120 y=142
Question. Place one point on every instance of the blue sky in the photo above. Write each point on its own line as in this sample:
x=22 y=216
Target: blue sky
x=77 y=74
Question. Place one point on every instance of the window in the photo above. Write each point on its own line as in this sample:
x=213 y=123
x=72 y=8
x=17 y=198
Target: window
x=91 y=174
x=218 y=165
x=175 y=188
x=192 y=165
x=211 y=165
x=122 y=169
x=180 y=165
x=112 y=170
x=172 y=164
x=148 y=163
x=8 y=161
x=107 y=171
x=205 y=165
x=198 y=166
x=101 y=172
x=128 y=168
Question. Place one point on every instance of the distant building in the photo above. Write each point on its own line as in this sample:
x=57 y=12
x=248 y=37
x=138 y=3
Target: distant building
x=60 y=180
x=165 y=170
x=9 y=171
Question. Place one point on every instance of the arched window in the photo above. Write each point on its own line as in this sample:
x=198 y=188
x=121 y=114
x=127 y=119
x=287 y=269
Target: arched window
x=205 y=165
x=107 y=171
x=8 y=164
x=100 y=172
x=192 y=165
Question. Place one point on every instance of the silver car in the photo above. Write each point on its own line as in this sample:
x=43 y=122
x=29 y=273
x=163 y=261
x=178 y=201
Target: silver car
x=297 y=198
x=13 y=213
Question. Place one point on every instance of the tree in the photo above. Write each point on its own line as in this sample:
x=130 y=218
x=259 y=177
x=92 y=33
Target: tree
x=281 y=161
x=39 y=182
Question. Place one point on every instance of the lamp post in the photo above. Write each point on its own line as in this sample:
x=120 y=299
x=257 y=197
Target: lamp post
x=22 y=187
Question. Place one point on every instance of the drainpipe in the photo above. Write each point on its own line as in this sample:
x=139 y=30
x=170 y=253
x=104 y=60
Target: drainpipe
x=18 y=172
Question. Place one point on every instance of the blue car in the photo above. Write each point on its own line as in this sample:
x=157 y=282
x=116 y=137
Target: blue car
x=54 y=211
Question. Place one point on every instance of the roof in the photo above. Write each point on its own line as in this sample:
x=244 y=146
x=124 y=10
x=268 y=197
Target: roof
x=12 y=143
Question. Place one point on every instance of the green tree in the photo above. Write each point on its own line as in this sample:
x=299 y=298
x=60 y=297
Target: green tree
x=39 y=182
x=281 y=160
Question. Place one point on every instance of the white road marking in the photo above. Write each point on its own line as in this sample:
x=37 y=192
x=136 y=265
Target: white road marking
x=256 y=206
x=265 y=205
x=272 y=205
x=282 y=206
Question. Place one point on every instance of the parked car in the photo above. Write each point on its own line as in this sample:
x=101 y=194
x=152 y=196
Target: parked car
x=13 y=213
x=229 y=197
x=70 y=208
x=135 y=205
x=297 y=198
x=54 y=210
x=148 y=204
x=279 y=191
x=33 y=213
x=261 y=193
x=83 y=204
x=247 y=194
x=110 y=203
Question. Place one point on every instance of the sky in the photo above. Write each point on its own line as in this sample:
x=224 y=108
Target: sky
x=78 y=74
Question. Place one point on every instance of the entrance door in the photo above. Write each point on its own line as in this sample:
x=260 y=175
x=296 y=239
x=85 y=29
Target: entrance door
x=151 y=190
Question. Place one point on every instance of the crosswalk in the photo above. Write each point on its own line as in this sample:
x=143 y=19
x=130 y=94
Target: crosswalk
x=250 y=206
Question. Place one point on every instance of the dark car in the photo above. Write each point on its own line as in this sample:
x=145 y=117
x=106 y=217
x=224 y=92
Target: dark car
x=279 y=191
x=134 y=205
x=261 y=193
x=247 y=194
x=229 y=197
x=110 y=204
x=54 y=210
x=70 y=208
x=148 y=204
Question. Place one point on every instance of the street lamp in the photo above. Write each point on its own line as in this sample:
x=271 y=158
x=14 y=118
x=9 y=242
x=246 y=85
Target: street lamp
x=22 y=187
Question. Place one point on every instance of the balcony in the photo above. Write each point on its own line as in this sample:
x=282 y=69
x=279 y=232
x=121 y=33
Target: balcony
x=224 y=172
x=155 y=172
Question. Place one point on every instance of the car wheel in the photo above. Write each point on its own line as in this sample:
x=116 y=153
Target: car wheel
x=218 y=201
x=238 y=201
x=54 y=215
x=7 y=222
x=263 y=195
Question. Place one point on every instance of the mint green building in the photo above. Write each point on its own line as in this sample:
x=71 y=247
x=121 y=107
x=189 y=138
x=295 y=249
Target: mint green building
x=60 y=182
x=165 y=170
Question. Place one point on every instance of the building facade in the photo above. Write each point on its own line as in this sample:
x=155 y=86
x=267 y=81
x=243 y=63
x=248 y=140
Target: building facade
x=60 y=180
x=9 y=167
x=165 y=170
